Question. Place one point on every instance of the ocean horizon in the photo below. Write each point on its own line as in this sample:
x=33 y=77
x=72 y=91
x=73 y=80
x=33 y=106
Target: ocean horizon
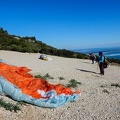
x=111 y=52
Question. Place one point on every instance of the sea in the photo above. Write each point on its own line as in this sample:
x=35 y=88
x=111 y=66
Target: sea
x=110 y=52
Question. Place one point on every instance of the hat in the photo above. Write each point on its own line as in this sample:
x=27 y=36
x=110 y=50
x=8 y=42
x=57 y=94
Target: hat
x=100 y=53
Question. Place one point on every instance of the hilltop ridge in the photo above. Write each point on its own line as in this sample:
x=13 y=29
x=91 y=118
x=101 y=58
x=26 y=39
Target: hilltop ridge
x=31 y=45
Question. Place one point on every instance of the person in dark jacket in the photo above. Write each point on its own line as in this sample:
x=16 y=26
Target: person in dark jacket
x=101 y=63
x=92 y=57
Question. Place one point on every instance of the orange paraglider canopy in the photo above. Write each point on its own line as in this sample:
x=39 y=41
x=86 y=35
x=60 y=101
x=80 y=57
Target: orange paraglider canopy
x=30 y=85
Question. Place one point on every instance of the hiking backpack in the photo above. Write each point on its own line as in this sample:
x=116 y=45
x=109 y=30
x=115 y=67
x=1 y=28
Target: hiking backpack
x=106 y=63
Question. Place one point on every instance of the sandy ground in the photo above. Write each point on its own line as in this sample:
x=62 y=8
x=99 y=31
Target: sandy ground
x=93 y=104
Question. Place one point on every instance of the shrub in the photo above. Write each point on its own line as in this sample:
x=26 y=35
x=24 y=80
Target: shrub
x=73 y=83
x=61 y=78
x=115 y=84
x=9 y=106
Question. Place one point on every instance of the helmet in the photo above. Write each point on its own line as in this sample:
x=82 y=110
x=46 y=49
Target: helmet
x=100 y=53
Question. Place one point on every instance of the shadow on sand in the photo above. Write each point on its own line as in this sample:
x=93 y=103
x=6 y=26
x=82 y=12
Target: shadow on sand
x=86 y=71
x=86 y=62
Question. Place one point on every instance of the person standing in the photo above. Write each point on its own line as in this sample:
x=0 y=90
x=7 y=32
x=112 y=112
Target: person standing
x=101 y=63
x=92 y=57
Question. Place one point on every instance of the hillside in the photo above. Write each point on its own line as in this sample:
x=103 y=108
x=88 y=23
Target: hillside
x=31 y=45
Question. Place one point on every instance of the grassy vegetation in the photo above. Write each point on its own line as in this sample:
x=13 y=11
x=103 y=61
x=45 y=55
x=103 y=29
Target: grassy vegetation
x=115 y=84
x=103 y=86
x=61 y=78
x=109 y=86
x=112 y=84
x=9 y=106
x=106 y=91
x=47 y=76
x=21 y=103
x=73 y=83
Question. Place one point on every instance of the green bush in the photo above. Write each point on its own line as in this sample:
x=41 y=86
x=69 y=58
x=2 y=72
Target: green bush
x=9 y=106
x=73 y=83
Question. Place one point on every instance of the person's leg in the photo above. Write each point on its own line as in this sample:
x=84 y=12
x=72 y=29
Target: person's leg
x=101 y=68
x=102 y=71
x=92 y=61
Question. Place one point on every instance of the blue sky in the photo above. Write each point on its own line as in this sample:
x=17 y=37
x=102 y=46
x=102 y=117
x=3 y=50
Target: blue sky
x=64 y=24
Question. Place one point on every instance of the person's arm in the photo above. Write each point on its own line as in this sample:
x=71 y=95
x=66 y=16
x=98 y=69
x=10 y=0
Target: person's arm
x=101 y=59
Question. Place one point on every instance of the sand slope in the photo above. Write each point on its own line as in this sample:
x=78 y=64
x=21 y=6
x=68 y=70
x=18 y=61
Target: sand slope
x=94 y=103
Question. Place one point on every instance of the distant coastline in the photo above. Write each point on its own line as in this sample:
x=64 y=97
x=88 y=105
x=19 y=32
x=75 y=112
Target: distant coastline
x=110 y=52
